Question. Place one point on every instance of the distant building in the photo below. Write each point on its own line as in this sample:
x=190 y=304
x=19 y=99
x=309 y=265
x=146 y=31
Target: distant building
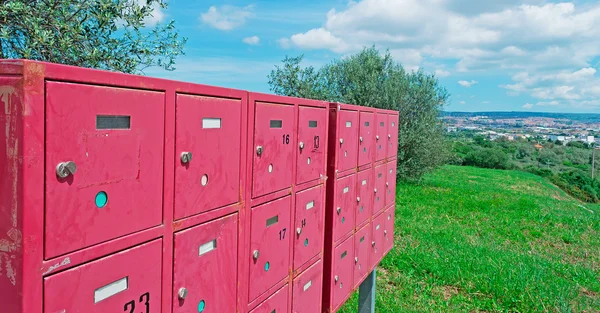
x=452 y=129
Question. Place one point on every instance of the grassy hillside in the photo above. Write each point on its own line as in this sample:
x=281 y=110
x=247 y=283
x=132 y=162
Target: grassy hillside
x=479 y=240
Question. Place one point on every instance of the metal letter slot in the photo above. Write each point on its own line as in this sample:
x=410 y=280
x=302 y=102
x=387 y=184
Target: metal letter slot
x=276 y=123
x=273 y=220
x=111 y=289
x=64 y=169
x=348 y=124
x=364 y=182
x=381 y=124
x=207 y=247
x=312 y=124
x=186 y=157
x=113 y=122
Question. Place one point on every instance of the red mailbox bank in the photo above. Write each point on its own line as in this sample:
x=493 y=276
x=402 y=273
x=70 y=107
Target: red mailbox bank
x=283 y=240
x=359 y=220
x=120 y=193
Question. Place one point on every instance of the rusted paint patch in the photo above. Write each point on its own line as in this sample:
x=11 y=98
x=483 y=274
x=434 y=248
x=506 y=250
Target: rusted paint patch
x=10 y=272
x=56 y=266
x=7 y=93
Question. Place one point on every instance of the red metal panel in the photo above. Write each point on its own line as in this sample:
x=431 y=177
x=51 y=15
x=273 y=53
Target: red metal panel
x=379 y=191
x=362 y=249
x=277 y=303
x=307 y=290
x=309 y=225
x=390 y=183
x=344 y=206
x=377 y=240
x=205 y=267
x=366 y=138
x=129 y=281
x=347 y=141
x=312 y=143
x=274 y=149
x=364 y=196
x=269 y=245
x=119 y=167
x=381 y=136
x=392 y=149
x=388 y=229
x=342 y=272
x=209 y=130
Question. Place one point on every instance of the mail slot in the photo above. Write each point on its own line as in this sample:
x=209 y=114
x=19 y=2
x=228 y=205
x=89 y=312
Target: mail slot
x=312 y=144
x=377 y=240
x=104 y=164
x=379 y=191
x=388 y=230
x=392 y=151
x=307 y=290
x=390 y=183
x=344 y=206
x=364 y=196
x=129 y=281
x=309 y=225
x=274 y=147
x=277 y=303
x=207 y=145
x=362 y=249
x=269 y=245
x=347 y=141
x=381 y=136
x=342 y=272
x=366 y=138
x=205 y=267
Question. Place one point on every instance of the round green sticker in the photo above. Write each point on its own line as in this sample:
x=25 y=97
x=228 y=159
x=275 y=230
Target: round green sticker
x=101 y=199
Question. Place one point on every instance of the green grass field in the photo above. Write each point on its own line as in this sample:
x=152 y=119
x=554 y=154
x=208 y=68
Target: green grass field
x=478 y=240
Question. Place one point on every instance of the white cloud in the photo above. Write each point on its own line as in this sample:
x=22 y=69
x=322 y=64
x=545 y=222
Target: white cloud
x=528 y=106
x=467 y=84
x=254 y=40
x=226 y=17
x=442 y=73
x=485 y=102
x=463 y=102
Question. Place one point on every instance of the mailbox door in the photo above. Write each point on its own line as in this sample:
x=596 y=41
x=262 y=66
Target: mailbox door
x=205 y=267
x=377 y=240
x=277 y=303
x=379 y=191
x=312 y=143
x=342 y=272
x=381 y=136
x=388 y=233
x=274 y=140
x=309 y=225
x=393 y=136
x=364 y=198
x=269 y=245
x=347 y=141
x=390 y=184
x=114 y=138
x=362 y=247
x=366 y=138
x=344 y=206
x=307 y=290
x=210 y=129
x=129 y=281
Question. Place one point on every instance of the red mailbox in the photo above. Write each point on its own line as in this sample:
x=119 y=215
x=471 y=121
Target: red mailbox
x=277 y=303
x=309 y=224
x=390 y=183
x=205 y=266
x=344 y=206
x=207 y=146
x=307 y=290
x=312 y=143
x=128 y=281
x=388 y=229
x=342 y=273
x=381 y=136
x=346 y=143
x=377 y=240
x=104 y=150
x=366 y=138
x=379 y=191
x=364 y=197
x=392 y=150
x=362 y=248
x=274 y=139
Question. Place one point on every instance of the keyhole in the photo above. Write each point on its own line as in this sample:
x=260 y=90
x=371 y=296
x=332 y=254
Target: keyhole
x=270 y=168
x=308 y=161
x=204 y=180
x=101 y=199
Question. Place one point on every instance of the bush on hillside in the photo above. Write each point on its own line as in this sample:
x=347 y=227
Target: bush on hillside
x=487 y=158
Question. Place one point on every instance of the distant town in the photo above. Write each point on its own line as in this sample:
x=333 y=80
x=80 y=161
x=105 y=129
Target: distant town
x=561 y=128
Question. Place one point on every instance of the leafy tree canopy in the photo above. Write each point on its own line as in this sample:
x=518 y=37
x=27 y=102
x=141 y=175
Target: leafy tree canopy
x=105 y=34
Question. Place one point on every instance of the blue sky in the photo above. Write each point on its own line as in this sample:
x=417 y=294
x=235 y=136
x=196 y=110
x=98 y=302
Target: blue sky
x=500 y=55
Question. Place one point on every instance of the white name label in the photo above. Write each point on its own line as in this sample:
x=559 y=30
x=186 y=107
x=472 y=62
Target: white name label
x=310 y=205
x=307 y=285
x=348 y=124
x=111 y=289
x=211 y=123
x=377 y=228
x=207 y=247
x=364 y=182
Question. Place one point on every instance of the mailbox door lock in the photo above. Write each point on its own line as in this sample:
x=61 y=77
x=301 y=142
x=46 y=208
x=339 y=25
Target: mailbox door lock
x=390 y=136
x=259 y=150
x=360 y=138
x=385 y=232
x=377 y=137
x=255 y=254
x=357 y=199
x=339 y=210
x=182 y=293
x=341 y=140
x=301 y=145
x=336 y=278
x=298 y=230
x=186 y=157
x=373 y=243
x=64 y=169
x=375 y=190
x=356 y=260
